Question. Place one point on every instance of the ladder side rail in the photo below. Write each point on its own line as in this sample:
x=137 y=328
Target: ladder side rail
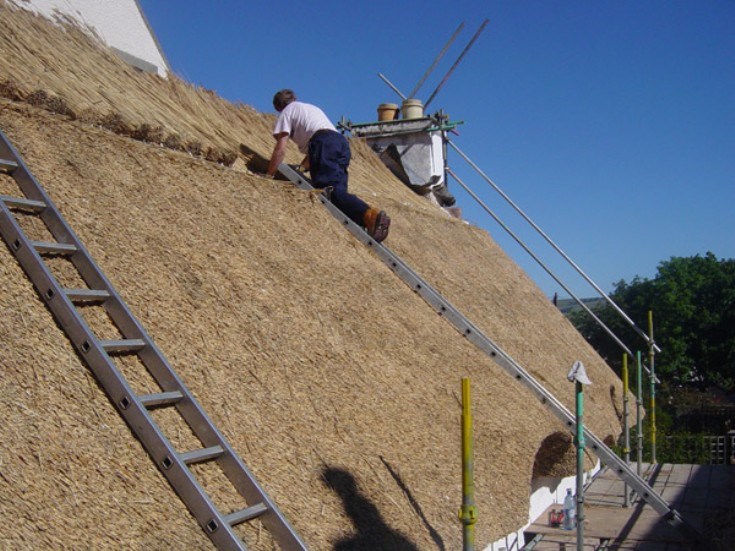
x=230 y=462
x=120 y=393
x=116 y=387
x=543 y=234
x=33 y=190
x=592 y=442
x=22 y=176
x=93 y=275
x=20 y=173
x=121 y=315
x=273 y=518
x=477 y=337
x=82 y=260
x=206 y=431
x=61 y=231
x=156 y=363
x=554 y=276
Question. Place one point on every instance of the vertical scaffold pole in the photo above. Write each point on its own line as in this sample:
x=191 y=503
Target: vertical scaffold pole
x=445 y=155
x=638 y=413
x=468 y=511
x=652 y=413
x=626 y=427
x=580 y=464
x=578 y=375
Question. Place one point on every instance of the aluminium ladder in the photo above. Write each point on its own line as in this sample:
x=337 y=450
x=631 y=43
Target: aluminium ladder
x=504 y=360
x=99 y=355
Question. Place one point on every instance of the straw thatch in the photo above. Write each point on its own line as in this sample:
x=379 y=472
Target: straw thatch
x=335 y=382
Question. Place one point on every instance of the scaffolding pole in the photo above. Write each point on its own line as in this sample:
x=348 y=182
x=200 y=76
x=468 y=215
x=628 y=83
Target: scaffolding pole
x=651 y=362
x=579 y=414
x=566 y=257
x=639 y=413
x=468 y=511
x=538 y=260
x=626 y=427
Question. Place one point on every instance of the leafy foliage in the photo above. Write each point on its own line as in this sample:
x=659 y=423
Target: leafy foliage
x=693 y=304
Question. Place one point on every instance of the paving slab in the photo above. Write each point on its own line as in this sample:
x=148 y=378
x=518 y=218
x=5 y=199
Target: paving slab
x=695 y=491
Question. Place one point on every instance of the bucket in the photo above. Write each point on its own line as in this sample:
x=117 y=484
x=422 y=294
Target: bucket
x=413 y=109
x=387 y=111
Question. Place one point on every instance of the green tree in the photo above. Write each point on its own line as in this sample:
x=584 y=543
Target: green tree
x=693 y=304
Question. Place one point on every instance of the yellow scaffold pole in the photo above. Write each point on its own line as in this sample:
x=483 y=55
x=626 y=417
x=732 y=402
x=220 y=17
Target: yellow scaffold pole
x=468 y=511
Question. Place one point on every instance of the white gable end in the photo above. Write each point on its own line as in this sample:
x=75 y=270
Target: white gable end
x=121 y=24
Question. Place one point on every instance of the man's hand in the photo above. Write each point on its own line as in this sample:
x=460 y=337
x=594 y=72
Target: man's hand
x=279 y=153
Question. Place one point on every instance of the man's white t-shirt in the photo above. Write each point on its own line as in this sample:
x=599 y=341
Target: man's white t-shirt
x=301 y=121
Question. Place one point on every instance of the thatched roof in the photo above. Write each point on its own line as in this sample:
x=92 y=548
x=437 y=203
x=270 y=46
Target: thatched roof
x=337 y=384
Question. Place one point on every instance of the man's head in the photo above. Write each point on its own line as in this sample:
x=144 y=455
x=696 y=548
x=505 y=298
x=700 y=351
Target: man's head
x=282 y=99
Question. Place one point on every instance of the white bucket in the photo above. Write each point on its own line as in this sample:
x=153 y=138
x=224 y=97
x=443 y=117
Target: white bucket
x=413 y=109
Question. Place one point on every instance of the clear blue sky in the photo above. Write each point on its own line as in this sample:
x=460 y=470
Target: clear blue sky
x=610 y=123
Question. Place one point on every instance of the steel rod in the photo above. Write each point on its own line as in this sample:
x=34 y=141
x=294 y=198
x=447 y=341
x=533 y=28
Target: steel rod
x=579 y=440
x=639 y=414
x=468 y=511
x=474 y=335
x=566 y=257
x=518 y=240
x=453 y=67
x=436 y=62
x=626 y=427
x=652 y=363
x=540 y=262
x=392 y=86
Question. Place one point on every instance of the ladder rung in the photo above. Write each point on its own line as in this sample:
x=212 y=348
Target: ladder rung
x=86 y=295
x=124 y=345
x=238 y=517
x=199 y=456
x=101 y=356
x=22 y=203
x=162 y=399
x=8 y=165
x=45 y=247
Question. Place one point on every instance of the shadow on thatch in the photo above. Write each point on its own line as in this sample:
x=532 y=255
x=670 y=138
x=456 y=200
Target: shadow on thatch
x=371 y=530
x=254 y=160
x=554 y=452
x=414 y=504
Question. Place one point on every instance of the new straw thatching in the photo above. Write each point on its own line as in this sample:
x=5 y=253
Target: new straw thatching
x=338 y=386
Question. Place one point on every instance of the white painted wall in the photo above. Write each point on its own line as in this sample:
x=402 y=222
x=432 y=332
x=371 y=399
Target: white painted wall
x=546 y=491
x=121 y=24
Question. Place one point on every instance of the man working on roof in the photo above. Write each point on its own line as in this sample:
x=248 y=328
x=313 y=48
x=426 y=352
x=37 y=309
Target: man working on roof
x=327 y=158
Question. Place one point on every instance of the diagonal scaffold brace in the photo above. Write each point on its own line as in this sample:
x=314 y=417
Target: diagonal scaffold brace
x=472 y=333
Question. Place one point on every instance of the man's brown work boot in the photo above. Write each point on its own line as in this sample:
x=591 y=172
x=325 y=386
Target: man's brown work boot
x=377 y=223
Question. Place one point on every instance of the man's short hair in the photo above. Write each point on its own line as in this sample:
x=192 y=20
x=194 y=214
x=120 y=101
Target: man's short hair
x=282 y=99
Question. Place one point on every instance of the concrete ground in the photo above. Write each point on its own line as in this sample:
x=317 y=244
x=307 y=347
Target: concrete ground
x=704 y=495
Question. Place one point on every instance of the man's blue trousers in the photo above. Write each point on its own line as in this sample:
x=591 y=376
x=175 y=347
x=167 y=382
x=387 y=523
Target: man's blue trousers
x=329 y=157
